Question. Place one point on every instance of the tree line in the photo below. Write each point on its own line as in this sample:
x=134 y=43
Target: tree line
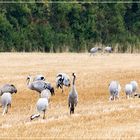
x=69 y=27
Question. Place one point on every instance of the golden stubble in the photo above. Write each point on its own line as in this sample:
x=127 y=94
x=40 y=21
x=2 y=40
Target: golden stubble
x=95 y=116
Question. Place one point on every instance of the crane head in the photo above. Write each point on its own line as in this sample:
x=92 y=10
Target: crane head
x=28 y=77
x=73 y=74
x=14 y=88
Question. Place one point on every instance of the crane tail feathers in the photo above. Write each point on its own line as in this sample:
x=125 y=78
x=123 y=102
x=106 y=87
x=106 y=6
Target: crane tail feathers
x=72 y=109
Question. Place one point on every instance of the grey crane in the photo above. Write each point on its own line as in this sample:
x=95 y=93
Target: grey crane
x=114 y=89
x=8 y=88
x=128 y=90
x=41 y=105
x=39 y=85
x=62 y=79
x=94 y=50
x=134 y=86
x=108 y=49
x=73 y=96
x=6 y=99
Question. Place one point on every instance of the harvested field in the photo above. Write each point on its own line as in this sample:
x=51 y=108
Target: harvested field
x=95 y=116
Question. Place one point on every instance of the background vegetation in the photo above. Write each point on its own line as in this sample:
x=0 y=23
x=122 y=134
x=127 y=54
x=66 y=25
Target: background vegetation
x=58 y=27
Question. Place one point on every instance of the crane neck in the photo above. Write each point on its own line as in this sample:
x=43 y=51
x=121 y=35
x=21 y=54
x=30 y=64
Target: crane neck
x=73 y=83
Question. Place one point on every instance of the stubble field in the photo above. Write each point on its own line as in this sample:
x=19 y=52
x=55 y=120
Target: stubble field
x=95 y=116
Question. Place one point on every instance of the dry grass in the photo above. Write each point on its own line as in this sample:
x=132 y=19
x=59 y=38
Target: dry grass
x=95 y=116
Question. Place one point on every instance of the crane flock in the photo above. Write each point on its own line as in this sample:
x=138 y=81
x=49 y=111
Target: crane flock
x=46 y=90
